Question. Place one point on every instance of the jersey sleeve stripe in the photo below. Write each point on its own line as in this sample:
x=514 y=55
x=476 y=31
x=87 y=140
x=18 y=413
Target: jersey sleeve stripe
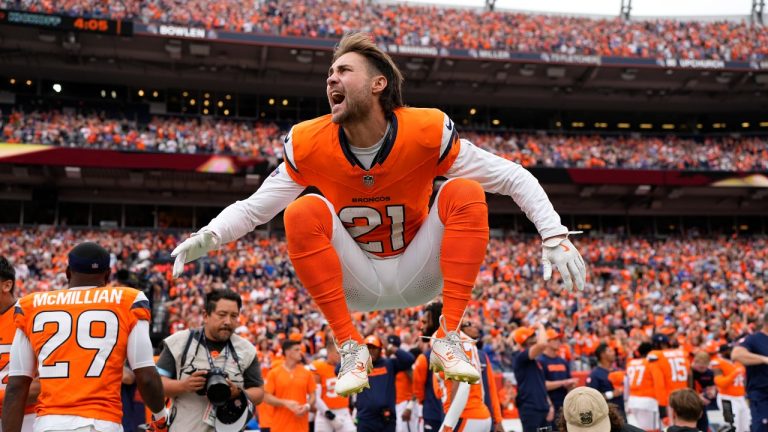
x=288 y=150
x=140 y=304
x=447 y=151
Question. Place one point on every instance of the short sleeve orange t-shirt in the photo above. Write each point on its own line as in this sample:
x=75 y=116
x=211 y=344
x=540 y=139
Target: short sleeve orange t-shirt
x=296 y=385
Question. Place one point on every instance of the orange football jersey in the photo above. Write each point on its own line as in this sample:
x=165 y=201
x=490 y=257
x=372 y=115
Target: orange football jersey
x=731 y=381
x=419 y=381
x=80 y=339
x=325 y=371
x=674 y=366
x=475 y=407
x=644 y=380
x=7 y=333
x=403 y=387
x=384 y=206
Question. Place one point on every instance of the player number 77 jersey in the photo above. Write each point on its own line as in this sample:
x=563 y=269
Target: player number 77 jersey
x=80 y=339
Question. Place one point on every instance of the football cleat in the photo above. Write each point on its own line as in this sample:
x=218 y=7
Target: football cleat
x=449 y=357
x=355 y=367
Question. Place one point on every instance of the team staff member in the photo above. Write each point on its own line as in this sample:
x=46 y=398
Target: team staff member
x=753 y=353
x=376 y=405
x=332 y=410
x=189 y=355
x=598 y=377
x=407 y=416
x=96 y=328
x=532 y=402
x=423 y=384
x=7 y=332
x=290 y=388
x=557 y=371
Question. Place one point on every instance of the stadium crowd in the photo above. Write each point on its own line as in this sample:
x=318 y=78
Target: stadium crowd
x=425 y=25
x=699 y=289
x=264 y=139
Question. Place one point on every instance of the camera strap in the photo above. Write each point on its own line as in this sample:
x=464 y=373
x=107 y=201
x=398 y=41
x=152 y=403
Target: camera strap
x=227 y=349
x=199 y=334
x=192 y=335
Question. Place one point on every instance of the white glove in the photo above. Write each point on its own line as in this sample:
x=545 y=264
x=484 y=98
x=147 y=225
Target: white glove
x=197 y=245
x=609 y=395
x=564 y=255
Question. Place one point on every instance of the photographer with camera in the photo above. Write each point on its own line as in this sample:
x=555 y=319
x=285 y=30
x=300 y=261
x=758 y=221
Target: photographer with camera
x=211 y=375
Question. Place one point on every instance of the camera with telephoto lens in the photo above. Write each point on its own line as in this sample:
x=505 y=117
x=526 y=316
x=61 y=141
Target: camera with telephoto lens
x=216 y=387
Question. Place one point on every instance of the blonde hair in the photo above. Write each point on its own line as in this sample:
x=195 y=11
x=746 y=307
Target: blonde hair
x=701 y=358
x=379 y=62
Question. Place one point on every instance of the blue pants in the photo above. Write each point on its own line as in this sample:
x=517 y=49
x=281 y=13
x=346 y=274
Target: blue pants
x=432 y=425
x=367 y=425
x=759 y=411
x=533 y=419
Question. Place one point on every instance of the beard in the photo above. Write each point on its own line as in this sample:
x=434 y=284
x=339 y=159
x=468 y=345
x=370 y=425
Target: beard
x=354 y=110
x=223 y=334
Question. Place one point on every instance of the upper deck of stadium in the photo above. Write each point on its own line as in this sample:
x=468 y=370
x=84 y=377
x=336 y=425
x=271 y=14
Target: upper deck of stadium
x=445 y=27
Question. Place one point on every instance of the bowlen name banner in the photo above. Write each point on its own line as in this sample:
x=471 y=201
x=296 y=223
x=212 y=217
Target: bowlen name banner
x=127 y=28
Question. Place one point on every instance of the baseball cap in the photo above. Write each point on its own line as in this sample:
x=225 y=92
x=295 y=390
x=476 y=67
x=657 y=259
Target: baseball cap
x=659 y=338
x=373 y=340
x=89 y=258
x=553 y=334
x=711 y=347
x=394 y=340
x=586 y=410
x=522 y=334
x=233 y=415
x=724 y=348
x=667 y=330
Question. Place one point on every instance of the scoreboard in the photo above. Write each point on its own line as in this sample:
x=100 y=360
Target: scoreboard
x=67 y=23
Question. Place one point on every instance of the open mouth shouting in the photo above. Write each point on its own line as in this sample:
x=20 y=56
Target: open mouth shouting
x=337 y=99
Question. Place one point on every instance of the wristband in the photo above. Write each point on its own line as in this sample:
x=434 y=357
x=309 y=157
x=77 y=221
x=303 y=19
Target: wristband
x=161 y=414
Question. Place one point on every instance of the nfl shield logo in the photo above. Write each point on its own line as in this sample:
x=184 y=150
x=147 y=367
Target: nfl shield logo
x=368 y=180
